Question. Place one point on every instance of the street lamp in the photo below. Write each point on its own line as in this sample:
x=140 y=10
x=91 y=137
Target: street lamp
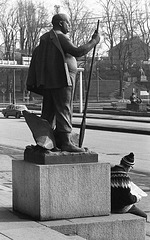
x=14 y=71
x=123 y=94
x=57 y=8
x=14 y=83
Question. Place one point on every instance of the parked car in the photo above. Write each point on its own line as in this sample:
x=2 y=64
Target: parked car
x=14 y=110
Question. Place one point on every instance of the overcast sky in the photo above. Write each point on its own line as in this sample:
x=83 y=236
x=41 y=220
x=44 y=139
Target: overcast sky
x=91 y=4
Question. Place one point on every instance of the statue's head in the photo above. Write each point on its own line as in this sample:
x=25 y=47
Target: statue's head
x=61 y=22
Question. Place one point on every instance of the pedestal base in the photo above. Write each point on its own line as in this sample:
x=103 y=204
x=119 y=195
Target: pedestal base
x=42 y=156
x=61 y=191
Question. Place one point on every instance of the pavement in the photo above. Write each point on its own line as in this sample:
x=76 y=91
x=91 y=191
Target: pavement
x=19 y=224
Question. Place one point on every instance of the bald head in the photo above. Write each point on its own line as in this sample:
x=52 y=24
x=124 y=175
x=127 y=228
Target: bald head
x=61 y=23
x=58 y=18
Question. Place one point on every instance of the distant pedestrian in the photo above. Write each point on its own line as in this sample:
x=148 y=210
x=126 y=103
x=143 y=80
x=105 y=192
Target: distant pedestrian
x=122 y=198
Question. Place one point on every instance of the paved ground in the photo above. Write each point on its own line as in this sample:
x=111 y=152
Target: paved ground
x=7 y=217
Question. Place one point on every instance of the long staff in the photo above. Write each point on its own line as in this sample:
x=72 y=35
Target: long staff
x=83 y=124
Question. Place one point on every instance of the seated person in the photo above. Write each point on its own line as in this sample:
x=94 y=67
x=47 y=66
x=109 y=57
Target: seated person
x=122 y=200
x=138 y=100
x=134 y=99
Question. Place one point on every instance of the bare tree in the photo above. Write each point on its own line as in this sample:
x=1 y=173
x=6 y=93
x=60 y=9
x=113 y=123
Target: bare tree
x=143 y=21
x=32 y=21
x=24 y=23
x=127 y=10
x=109 y=25
x=3 y=4
x=8 y=28
x=82 y=26
x=80 y=20
x=120 y=27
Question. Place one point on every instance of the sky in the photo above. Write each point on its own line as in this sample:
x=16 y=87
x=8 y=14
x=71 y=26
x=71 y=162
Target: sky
x=91 y=4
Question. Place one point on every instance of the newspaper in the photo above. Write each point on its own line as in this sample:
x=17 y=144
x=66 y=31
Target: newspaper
x=135 y=190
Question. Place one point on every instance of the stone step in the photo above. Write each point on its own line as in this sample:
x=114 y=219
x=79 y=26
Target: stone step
x=75 y=237
x=113 y=227
x=19 y=227
x=37 y=233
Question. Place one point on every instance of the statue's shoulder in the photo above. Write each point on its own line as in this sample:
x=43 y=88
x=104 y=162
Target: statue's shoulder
x=45 y=36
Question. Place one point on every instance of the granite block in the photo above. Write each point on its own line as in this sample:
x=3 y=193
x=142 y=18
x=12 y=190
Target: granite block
x=41 y=156
x=61 y=191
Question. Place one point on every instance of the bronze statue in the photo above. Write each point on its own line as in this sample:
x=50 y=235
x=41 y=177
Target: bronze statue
x=53 y=71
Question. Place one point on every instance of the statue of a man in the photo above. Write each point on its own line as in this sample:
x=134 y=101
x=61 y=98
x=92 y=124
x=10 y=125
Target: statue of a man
x=56 y=73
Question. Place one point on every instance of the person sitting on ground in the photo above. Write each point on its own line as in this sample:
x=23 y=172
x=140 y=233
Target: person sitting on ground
x=122 y=200
x=134 y=99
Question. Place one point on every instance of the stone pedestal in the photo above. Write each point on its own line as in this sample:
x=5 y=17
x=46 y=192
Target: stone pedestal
x=74 y=196
x=61 y=191
x=40 y=156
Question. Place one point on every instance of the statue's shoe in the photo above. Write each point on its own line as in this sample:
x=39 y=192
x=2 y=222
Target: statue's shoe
x=71 y=148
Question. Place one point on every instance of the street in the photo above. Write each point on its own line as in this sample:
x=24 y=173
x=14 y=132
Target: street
x=110 y=146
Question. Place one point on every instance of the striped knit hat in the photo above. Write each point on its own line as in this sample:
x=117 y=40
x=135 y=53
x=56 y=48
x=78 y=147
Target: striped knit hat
x=128 y=160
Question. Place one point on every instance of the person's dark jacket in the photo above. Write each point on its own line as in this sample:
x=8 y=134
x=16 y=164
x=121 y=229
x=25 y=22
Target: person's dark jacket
x=120 y=189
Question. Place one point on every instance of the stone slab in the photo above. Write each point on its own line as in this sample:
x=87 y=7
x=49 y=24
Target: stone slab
x=61 y=191
x=19 y=227
x=41 y=156
x=64 y=226
x=112 y=227
x=35 y=234
x=75 y=238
